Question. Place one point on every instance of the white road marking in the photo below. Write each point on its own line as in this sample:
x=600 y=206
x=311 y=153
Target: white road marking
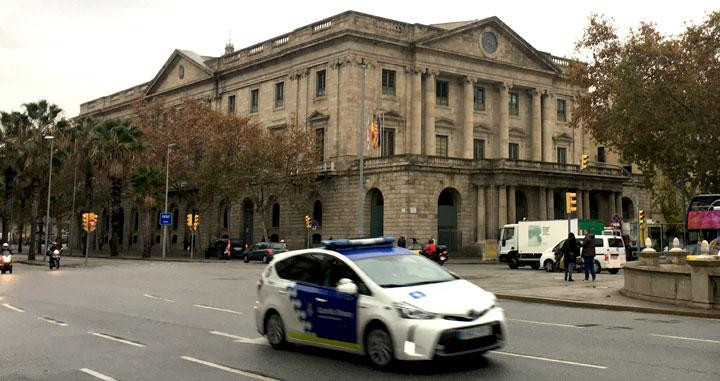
x=240 y=339
x=53 y=321
x=16 y=309
x=551 y=360
x=544 y=323
x=686 y=338
x=158 y=298
x=97 y=374
x=119 y=340
x=217 y=309
x=228 y=369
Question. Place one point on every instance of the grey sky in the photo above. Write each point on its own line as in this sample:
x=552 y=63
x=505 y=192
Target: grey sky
x=70 y=52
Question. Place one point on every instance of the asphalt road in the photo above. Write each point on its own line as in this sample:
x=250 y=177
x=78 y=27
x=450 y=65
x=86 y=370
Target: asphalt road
x=136 y=320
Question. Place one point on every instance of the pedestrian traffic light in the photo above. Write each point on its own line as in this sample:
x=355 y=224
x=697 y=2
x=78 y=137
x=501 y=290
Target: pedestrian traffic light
x=641 y=216
x=308 y=222
x=585 y=161
x=570 y=202
x=189 y=219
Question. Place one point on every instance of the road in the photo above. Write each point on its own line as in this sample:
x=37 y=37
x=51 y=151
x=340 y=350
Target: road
x=139 y=320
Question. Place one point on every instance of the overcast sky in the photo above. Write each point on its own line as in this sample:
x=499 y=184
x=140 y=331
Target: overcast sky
x=70 y=52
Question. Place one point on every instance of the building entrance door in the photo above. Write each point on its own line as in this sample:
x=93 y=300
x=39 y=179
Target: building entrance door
x=376 y=213
x=447 y=220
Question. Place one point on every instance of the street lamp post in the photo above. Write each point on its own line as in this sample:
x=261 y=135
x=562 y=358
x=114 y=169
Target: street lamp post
x=167 y=177
x=47 y=214
x=361 y=161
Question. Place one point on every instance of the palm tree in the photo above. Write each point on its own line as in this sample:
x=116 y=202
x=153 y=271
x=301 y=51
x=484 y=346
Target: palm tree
x=114 y=145
x=147 y=182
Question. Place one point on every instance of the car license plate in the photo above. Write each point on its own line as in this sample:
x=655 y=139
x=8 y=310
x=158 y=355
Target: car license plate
x=475 y=332
x=614 y=256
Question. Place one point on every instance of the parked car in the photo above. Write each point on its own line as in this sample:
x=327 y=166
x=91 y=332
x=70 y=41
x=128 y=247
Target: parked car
x=609 y=254
x=264 y=251
x=225 y=248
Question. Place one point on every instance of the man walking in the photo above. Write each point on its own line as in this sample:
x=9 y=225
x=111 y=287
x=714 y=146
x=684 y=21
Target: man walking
x=588 y=255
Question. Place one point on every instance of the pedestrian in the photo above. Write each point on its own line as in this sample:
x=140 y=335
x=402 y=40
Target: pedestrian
x=588 y=255
x=570 y=251
x=401 y=241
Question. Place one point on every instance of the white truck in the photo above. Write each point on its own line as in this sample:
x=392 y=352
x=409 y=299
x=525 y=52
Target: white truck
x=524 y=242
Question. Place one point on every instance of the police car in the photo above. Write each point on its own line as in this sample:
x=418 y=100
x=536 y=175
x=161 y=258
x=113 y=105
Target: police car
x=370 y=297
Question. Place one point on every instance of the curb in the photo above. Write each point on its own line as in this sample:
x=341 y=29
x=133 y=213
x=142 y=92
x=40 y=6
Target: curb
x=572 y=303
x=41 y=264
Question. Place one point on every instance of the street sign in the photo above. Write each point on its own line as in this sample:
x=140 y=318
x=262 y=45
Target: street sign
x=165 y=219
x=314 y=225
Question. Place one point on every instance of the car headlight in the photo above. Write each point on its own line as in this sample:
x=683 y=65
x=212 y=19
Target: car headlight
x=7 y=259
x=408 y=311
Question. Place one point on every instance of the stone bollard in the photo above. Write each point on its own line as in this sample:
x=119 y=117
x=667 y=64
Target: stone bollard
x=677 y=255
x=648 y=256
x=701 y=268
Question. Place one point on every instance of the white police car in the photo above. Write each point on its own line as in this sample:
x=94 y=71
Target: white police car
x=369 y=297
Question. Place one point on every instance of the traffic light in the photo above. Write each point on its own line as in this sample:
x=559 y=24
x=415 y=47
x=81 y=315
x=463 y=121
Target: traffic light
x=308 y=222
x=86 y=221
x=585 y=161
x=189 y=219
x=197 y=222
x=570 y=202
x=641 y=216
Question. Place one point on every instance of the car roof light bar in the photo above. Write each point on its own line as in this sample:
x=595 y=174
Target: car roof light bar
x=358 y=242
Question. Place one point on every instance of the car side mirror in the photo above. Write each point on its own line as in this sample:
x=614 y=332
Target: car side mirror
x=346 y=286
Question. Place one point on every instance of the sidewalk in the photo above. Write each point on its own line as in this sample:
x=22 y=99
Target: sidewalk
x=99 y=259
x=538 y=286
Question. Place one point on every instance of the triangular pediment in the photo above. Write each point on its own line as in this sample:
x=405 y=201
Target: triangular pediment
x=517 y=132
x=444 y=122
x=563 y=137
x=182 y=68
x=482 y=128
x=318 y=117
x=510 y=48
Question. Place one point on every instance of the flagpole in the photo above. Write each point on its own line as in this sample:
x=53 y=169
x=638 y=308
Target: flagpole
x=361 y=161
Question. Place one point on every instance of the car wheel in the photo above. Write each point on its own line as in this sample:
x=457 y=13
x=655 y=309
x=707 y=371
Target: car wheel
x=513 y=263
x=614 y=271
x=598 y=268
x=2 y=271
x=535 y=266
x=549 y=266
x=246 y=259
x=275 y=330
x=379 y=347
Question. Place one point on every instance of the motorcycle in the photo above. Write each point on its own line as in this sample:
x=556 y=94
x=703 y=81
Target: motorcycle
x=54 y=260
x=440 y=256
x=6 y=262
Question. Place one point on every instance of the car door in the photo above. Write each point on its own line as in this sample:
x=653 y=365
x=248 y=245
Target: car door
x=305 y=272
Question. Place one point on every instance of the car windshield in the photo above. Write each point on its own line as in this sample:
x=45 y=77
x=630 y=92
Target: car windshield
x=403 y=271
x=276 y=245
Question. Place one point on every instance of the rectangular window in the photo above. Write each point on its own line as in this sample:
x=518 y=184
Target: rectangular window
x=478 y=149
x=441 y=92
x=320 y=141
x=514 y=104
x=231 y=104
x=561 y=116
x=561 y=155
x=514 y=151
x=601 y=154
x=479 y=99
x=254 y=100
x=279 y=94
x=320 y=83
x=387 y=142
x=441 y=145
x=388 y=82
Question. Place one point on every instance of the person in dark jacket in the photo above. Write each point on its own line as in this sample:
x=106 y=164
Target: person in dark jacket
x=570 y=250
x=401 y=241
x=588 y=255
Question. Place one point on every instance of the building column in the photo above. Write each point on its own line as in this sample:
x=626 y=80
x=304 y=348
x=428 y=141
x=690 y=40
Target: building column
x=550 y=203
x=618 y=204
x=511 y=205
x=480 y=228
x=586 y=204
x=429 y=130
x=468 y=119
x=536 y=126
x=579 y=197
x=611 y=204
x=504 y=121
x=502 y=206
x=548 y=127
x=491 y=213
x=542 y=198
x=416 y=113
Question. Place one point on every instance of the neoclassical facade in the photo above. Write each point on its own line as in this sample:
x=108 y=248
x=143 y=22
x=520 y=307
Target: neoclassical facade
x=474 y=129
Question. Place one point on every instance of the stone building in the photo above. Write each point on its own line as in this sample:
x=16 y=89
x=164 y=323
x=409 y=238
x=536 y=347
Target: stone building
x=474 y=130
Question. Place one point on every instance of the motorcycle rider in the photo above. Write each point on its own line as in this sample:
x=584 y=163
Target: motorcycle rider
x=431 y=249
x=6 y=249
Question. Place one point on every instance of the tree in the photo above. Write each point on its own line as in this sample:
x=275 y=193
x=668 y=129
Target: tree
x=114 y=145
x=147 y=182
x=654 y=99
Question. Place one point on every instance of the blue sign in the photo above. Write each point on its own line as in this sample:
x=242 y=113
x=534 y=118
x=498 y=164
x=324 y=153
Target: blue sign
x=417 y=294
x=165 y=219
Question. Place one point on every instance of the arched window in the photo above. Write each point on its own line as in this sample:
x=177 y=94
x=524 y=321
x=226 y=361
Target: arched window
x=226 y=217
x=317 y=212
x=276 y=215
x=176 y=218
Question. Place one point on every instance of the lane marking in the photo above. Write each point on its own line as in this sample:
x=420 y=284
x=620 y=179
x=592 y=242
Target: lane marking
x=686 y=338
x=53 y=321
x=118 y=339
x=544 y=323
x=551 y=360
x=97 y=374
x=228 y=369
x=217 y=309
x=16 y=309
x=158 y=298
x=240 y=339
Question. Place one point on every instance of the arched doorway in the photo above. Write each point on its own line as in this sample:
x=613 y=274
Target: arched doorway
x=447 y=217
x=377 y=217
x=247 y=225
x=317 y=212
x=521 y=206
x=628 y=209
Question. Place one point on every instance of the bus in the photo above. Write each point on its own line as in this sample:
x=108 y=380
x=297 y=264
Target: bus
x=703 y=220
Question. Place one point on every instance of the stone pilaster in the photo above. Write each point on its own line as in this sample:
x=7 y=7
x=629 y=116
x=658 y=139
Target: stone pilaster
x=548 y=127
x=416 y=113
x=504 y=120
x=618 y=203
x=586 y=204
x=467 y=145
x=542 y=202
x=511 y=206
x=429 y=100
x=551 y=203
x=580 y=212
x=491 y=212
x=536 y=126
x=611 y=204
x=480 y=227
x=502 y=205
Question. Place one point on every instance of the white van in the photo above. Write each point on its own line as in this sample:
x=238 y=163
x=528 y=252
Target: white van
x=609 y=254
